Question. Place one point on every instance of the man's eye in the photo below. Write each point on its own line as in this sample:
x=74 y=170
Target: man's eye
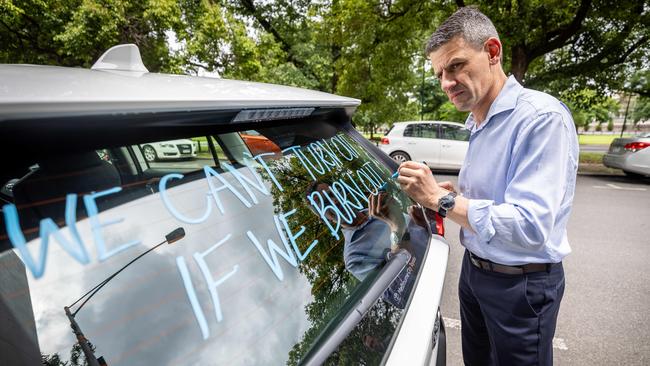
x=454 y=67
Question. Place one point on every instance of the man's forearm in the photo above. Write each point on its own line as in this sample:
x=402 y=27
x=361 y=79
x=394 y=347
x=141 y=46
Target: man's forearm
x=458 y=214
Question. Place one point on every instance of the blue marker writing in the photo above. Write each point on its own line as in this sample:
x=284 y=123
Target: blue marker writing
x=383 y=186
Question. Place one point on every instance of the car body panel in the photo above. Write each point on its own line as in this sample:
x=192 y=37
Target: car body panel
x=414 y=342
x=31 y=91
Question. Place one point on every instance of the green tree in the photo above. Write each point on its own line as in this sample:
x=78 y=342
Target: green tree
x=641 y=110
x=371 y=50
x=77 y=32
x=588 y=106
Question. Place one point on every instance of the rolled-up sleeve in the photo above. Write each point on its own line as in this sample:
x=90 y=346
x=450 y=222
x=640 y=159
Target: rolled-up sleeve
x=541 y=162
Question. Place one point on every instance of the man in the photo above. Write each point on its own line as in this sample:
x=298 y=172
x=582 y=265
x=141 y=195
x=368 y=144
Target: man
x=516 y=189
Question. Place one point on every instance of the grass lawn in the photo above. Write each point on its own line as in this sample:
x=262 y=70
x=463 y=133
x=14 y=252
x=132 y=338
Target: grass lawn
x=591 y=157
x=599 y=139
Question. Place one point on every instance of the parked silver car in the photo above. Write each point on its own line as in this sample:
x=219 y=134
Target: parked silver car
x=631 y=154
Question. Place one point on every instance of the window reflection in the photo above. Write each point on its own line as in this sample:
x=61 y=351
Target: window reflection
x=146 y=316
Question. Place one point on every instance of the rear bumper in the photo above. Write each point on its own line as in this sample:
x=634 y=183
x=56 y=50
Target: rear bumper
x=629 y=162
x=615 y=161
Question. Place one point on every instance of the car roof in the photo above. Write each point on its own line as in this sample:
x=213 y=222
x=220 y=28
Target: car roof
x=28 y=91
x=441 y=122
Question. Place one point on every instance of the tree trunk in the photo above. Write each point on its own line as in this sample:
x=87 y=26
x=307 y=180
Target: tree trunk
x=519 y=64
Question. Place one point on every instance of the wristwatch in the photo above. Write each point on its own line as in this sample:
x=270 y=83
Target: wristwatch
x=446 y=203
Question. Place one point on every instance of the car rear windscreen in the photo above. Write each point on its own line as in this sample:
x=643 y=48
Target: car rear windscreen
x=280 y=228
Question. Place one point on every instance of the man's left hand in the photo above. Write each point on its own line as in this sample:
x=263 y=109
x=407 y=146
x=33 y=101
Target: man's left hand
x=418 y=182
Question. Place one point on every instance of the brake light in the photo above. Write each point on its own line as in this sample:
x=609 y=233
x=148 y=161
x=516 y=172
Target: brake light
x=384 y=141
x=636 y=146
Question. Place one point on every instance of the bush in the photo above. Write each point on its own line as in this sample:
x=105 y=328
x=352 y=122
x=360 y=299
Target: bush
x=610 y=126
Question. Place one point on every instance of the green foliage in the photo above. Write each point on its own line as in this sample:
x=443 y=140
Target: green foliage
x=641 y=110
x=77 y=32
x=370 y=50
x=588 y=106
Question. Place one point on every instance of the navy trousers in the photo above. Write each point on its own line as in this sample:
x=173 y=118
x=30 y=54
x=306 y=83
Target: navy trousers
x=509 y=319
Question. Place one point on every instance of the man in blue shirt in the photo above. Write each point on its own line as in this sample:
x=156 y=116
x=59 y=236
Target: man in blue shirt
x=516 y=190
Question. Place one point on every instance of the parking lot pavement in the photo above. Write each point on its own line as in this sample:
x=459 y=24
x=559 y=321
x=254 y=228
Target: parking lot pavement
x=604 y=317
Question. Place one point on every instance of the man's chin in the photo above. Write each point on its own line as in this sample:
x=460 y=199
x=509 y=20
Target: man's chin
x=462 y=107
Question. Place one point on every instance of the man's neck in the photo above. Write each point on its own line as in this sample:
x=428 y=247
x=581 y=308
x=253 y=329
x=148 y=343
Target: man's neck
x=481 y=111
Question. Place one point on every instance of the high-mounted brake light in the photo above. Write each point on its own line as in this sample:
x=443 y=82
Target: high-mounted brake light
x=636 y=146
x=384 y=141
x=254 y=115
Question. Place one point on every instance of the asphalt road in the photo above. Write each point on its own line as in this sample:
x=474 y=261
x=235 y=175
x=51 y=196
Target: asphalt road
x=605 y=314
x=594 y=148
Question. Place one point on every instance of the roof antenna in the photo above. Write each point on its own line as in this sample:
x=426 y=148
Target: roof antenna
x=123 y=57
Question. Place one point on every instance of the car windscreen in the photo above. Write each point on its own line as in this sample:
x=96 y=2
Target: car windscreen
x=283 y=226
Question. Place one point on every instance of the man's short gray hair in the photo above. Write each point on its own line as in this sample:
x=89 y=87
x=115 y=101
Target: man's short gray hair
x=467 y=22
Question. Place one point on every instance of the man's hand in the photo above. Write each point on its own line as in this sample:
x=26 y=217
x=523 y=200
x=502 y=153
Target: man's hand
x=418 y=182
x=448 y=185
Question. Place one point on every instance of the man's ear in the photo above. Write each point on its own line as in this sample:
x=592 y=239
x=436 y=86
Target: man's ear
x=493 y=48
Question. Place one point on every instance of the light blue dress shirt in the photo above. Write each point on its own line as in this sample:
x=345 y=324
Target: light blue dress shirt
x=519 y=175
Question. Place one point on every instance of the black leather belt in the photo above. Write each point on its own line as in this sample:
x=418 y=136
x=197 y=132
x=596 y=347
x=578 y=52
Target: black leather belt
x=502 y=268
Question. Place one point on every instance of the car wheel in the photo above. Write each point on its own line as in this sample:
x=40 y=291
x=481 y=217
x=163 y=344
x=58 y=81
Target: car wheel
x=633 y=175
x=400 y=156
x=149 y=153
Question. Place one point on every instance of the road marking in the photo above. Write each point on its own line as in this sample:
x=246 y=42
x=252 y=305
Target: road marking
x=614 y=186
x=558 y=343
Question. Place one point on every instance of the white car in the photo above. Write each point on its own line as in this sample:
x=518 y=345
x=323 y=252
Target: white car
x=441 y=145
x=631 y=154
x=166 y=150
x=258 y=271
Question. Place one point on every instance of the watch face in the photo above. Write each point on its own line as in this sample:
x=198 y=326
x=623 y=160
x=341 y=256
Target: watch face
x=447 y=202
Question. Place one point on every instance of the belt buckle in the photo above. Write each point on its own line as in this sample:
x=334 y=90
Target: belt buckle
x=485 y=265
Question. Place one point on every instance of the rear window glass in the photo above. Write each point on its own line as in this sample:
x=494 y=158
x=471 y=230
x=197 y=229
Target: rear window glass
x=283 y=227
x=424 y=130
x=458 y=133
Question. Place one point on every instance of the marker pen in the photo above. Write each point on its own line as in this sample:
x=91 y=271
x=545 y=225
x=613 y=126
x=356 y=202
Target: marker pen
x=383 y=186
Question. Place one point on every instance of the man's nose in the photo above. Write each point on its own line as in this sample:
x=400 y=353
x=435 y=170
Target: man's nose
x=447 y=83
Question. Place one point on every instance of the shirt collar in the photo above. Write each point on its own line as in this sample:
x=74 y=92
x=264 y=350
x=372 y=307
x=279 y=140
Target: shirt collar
x=505 y=101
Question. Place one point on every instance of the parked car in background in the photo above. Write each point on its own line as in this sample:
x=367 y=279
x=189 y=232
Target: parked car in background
x=631 y=154
x=257 y=143
x=441 y=145
x=168 y=150
x=259 y=271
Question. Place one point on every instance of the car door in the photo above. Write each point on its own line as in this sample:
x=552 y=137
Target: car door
x=454 y=141
x=421 y=141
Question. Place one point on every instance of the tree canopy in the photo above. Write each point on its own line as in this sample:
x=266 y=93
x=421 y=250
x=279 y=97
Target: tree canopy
x=371 y=50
